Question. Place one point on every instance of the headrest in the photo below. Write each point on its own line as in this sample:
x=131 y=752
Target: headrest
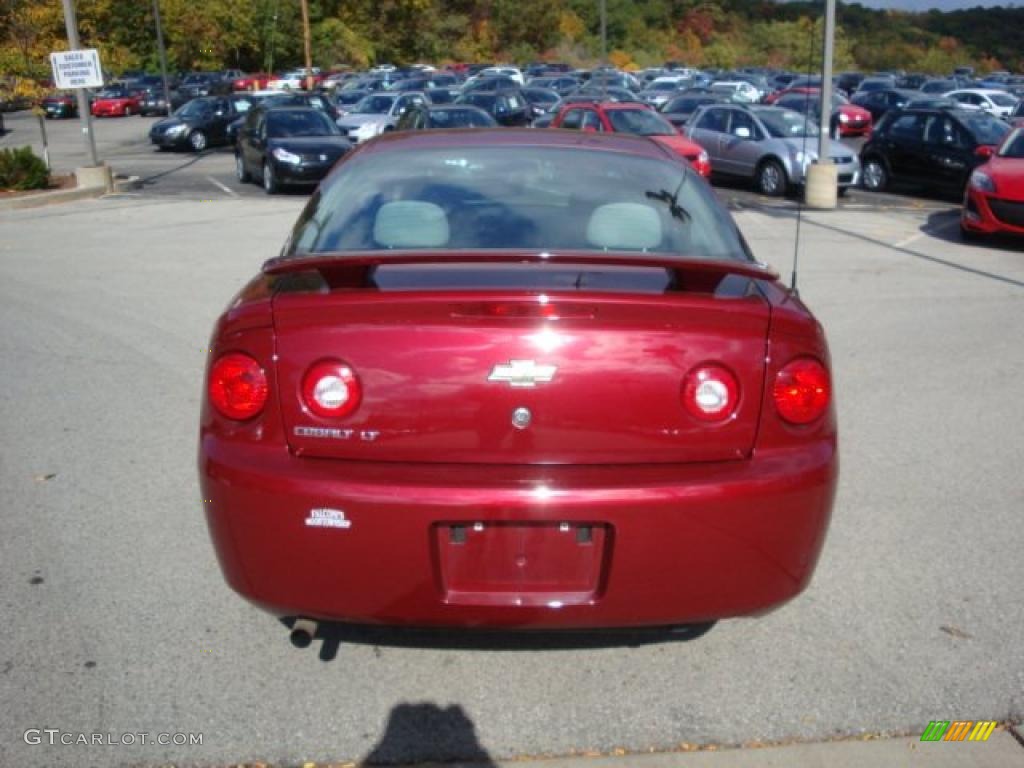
x=624 y=226
x=411 y=224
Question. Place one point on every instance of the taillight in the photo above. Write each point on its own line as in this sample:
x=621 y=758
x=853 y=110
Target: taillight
x=331 y=389
x=237 y=386
x=802 y=391
x=710 y=393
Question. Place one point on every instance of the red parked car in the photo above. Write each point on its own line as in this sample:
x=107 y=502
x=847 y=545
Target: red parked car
x=994 y=198
x=515 y=379
x=115 y=102
x=636 y=119
x=257 y=81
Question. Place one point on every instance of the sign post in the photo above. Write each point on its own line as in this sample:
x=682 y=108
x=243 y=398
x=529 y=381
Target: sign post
x=82 y=69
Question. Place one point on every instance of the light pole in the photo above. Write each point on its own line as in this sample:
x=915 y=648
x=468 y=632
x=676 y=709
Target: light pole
x=84 y=113
x=163 y=54
x=306 y=45
x=821 y=181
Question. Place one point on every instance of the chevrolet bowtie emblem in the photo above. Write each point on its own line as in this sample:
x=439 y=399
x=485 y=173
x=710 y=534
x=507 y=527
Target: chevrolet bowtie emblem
x=522 y=373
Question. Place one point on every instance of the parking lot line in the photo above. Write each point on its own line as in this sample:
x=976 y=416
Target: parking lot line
x=222 y=187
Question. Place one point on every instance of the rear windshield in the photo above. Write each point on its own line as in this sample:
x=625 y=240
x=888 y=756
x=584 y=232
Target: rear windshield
x=984 y=128
x=296 y=122
x=516 y=197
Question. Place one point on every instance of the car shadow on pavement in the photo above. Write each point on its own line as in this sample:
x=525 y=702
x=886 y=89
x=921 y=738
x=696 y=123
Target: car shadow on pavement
x=332 y=635
x=424 y=732
x=945 y=225
x=148 y=181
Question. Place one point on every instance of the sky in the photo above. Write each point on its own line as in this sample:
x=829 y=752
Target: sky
x=942 y=5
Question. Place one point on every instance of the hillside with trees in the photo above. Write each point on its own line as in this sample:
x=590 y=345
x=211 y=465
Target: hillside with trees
x=265 y=34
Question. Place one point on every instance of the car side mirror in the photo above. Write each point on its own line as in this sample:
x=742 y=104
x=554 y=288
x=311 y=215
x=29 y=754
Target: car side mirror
x=985 y=151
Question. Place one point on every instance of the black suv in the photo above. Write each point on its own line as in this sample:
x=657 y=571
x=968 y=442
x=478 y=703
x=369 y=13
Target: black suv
x=936 y=148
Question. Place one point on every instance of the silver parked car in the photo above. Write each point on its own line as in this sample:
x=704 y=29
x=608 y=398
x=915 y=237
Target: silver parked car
x=771 y=146
x=377 y=113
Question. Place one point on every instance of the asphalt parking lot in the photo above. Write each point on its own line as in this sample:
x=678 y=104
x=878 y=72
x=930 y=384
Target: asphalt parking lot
x=117 y=619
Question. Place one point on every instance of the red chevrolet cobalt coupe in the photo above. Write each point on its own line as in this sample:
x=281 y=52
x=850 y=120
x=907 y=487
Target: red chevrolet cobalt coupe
x=517 y=379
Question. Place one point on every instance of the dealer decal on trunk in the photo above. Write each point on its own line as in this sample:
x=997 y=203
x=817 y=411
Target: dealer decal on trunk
x=328 y=518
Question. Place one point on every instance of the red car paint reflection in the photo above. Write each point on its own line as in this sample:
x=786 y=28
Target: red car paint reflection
x=480 y=390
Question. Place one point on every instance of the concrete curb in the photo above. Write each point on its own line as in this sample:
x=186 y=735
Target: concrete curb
x=57 y=196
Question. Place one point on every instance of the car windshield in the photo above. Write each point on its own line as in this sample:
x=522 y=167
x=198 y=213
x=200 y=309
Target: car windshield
x=984 y=128
x=662 y=87
x=642 y=122
x=1013 y=147
x=540 y=96
x=194 y=108
x=482 y=100
x=460 y=118
x=374 y=104
x=504 y=197
x=786 y=124
x=299 y=122
x=1002 y=99
x=111 y=93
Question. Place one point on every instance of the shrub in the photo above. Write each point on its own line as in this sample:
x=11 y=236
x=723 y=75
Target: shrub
x=22 y=169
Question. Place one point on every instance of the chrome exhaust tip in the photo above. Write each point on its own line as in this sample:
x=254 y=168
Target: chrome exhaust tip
x=303 y=631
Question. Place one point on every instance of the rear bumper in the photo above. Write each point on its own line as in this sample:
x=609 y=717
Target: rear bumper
x=680 y=544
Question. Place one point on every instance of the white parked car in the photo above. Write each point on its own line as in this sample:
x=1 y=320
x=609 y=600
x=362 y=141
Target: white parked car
x=737 y=90
x=293 y=80
x=998 y=103
x=511 y=72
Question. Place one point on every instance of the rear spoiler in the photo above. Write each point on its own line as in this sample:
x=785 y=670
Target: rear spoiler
x=353 y=269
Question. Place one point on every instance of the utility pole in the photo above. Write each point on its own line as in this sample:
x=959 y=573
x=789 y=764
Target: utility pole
x=163 y=53
x=826 y=78
x=604 y=48
x=306 y=43
x=821 y=182
x=84 y=113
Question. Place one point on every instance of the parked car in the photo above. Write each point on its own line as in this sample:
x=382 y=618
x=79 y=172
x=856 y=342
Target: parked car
x=879 y=102
x=561 y=84
x=268 y=99
x=938 y=87
x=636 y=119
x=60 y=105
x=663 y=89
x=1017 y=116
x=998 y=103
x=198 y=125
x=681 y=108
x=846 y=119
x=739 y=91
x=510 y=108
x=541 y=100
x=155 y=104
x=770 y=146
x=288 y=146
x=204 y=84
x=494 y=444
x=423 y=117
x=882 y=83
x=489 y=84
x=994 y=201
x=256 y=81
x=294 y=79
x=377 y=114
x=937 y=148
x=115 y=101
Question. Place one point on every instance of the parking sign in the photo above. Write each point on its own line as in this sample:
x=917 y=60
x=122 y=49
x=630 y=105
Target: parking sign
x=77 y=69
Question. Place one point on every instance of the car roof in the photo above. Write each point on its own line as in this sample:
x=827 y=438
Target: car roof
x=517 y=137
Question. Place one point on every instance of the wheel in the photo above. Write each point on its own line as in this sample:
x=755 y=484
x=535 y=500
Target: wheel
x=240 y=171
x=842 y=191
x=197 y=140
x=270 y=183
x=875 y=177
x=771 y=179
